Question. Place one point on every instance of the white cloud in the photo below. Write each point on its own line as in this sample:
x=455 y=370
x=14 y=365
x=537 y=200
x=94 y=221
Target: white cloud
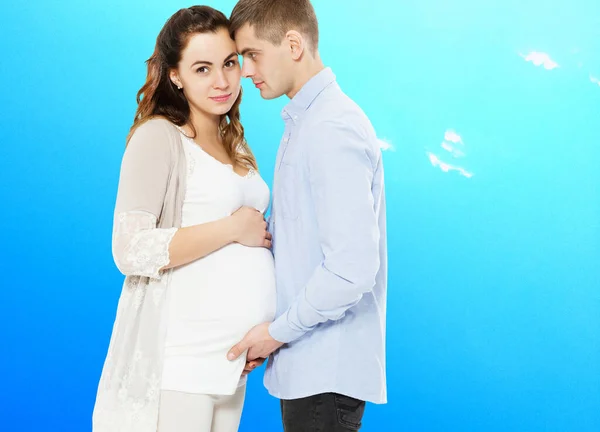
x=540 y=59
x=446 y=167
x=385 y=144
x=453 y=143
x=452 y=136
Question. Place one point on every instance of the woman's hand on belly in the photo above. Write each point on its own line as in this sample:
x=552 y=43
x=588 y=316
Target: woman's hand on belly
x=250 y=228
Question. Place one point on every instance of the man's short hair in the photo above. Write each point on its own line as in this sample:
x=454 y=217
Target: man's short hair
x=272 y=19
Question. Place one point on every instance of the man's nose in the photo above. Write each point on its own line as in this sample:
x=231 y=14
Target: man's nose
x=247 y=69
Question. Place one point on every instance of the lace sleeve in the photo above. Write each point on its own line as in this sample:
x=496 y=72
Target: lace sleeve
x=139 y=248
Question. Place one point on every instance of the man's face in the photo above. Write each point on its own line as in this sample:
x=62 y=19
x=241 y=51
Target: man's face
x=269 y=66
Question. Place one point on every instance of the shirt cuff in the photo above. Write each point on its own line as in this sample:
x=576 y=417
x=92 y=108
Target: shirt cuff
x=281 y=331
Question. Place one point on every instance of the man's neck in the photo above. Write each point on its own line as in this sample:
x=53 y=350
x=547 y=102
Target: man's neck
x=306 y=73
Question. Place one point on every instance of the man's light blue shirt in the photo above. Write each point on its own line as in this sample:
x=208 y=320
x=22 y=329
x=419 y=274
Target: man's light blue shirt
x=329 y=242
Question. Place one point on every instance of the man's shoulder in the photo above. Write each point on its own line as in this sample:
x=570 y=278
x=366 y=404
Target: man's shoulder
x=335 y=114
x=333 y=106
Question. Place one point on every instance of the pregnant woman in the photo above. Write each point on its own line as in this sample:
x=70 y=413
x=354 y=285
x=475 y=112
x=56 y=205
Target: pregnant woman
x=190 y=237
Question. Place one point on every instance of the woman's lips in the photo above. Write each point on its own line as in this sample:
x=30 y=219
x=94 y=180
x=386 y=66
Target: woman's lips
x=223 y=98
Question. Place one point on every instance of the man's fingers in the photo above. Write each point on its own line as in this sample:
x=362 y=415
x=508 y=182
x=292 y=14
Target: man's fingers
x=253 y=354
x=251 y=365
x=237 y=350
x=255 y=363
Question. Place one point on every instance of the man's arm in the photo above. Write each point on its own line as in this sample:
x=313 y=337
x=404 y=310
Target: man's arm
x=341 y=173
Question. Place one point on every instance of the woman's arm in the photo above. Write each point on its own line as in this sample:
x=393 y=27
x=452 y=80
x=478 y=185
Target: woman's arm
x=139 y=247
x=142 y=249
x=246 y=226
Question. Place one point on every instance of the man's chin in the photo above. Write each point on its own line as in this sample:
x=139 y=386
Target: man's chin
x=267 y=95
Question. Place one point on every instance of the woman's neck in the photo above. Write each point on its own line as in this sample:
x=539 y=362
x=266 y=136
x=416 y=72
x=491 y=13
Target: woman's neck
x=205 y=125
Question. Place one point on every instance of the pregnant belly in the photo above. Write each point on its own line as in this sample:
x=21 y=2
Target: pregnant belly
x=217 y=299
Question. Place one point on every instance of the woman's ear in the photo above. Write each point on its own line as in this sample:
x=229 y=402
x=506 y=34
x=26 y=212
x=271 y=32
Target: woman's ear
x=174 y=76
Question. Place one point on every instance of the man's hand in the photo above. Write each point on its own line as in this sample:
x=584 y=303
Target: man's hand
x=253 y=364
x=257 y=341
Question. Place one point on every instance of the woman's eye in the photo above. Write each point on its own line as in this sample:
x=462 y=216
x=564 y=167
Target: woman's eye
x=202 y=69
x=230 y=63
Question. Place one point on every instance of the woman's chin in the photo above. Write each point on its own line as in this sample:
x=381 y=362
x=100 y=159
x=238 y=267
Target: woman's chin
x=220 y=110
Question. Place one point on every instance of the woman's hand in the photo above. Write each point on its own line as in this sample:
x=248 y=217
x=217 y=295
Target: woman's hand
x=250 y=228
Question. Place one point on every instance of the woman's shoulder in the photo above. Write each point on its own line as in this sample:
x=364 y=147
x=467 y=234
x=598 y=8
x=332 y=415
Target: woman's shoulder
x=157 y=131
x=156 y=125
x=156 y=137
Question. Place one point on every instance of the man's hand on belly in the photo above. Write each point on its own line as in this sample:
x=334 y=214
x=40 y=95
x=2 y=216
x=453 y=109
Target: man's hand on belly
x=258 y=342
x=253 y=364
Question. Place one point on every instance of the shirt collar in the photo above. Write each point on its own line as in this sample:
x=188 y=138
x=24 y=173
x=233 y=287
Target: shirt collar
x=307 y=94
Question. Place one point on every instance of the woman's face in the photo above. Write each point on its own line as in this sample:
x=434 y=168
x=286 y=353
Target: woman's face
x=209 y=72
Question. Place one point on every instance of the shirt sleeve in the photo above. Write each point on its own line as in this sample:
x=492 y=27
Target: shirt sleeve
x=139 y=247
x=341 y=169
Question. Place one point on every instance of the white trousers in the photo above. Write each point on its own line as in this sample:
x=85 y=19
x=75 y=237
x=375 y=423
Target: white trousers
x=187 y=412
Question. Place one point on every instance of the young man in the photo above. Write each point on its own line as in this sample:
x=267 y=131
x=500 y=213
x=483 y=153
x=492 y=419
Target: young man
x=328 y=227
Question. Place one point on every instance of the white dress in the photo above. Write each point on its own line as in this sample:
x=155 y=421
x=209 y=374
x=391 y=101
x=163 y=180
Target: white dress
x=215 y=300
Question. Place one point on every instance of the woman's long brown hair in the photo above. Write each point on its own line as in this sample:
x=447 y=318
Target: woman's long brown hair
x=159 y=97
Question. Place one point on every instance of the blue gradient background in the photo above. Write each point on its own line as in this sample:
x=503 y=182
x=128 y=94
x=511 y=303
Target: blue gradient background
x=494 y=304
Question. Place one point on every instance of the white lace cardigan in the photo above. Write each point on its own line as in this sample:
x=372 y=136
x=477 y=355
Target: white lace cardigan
x=147 y=215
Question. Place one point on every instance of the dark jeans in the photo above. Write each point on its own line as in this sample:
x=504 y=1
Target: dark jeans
x=326 y=412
